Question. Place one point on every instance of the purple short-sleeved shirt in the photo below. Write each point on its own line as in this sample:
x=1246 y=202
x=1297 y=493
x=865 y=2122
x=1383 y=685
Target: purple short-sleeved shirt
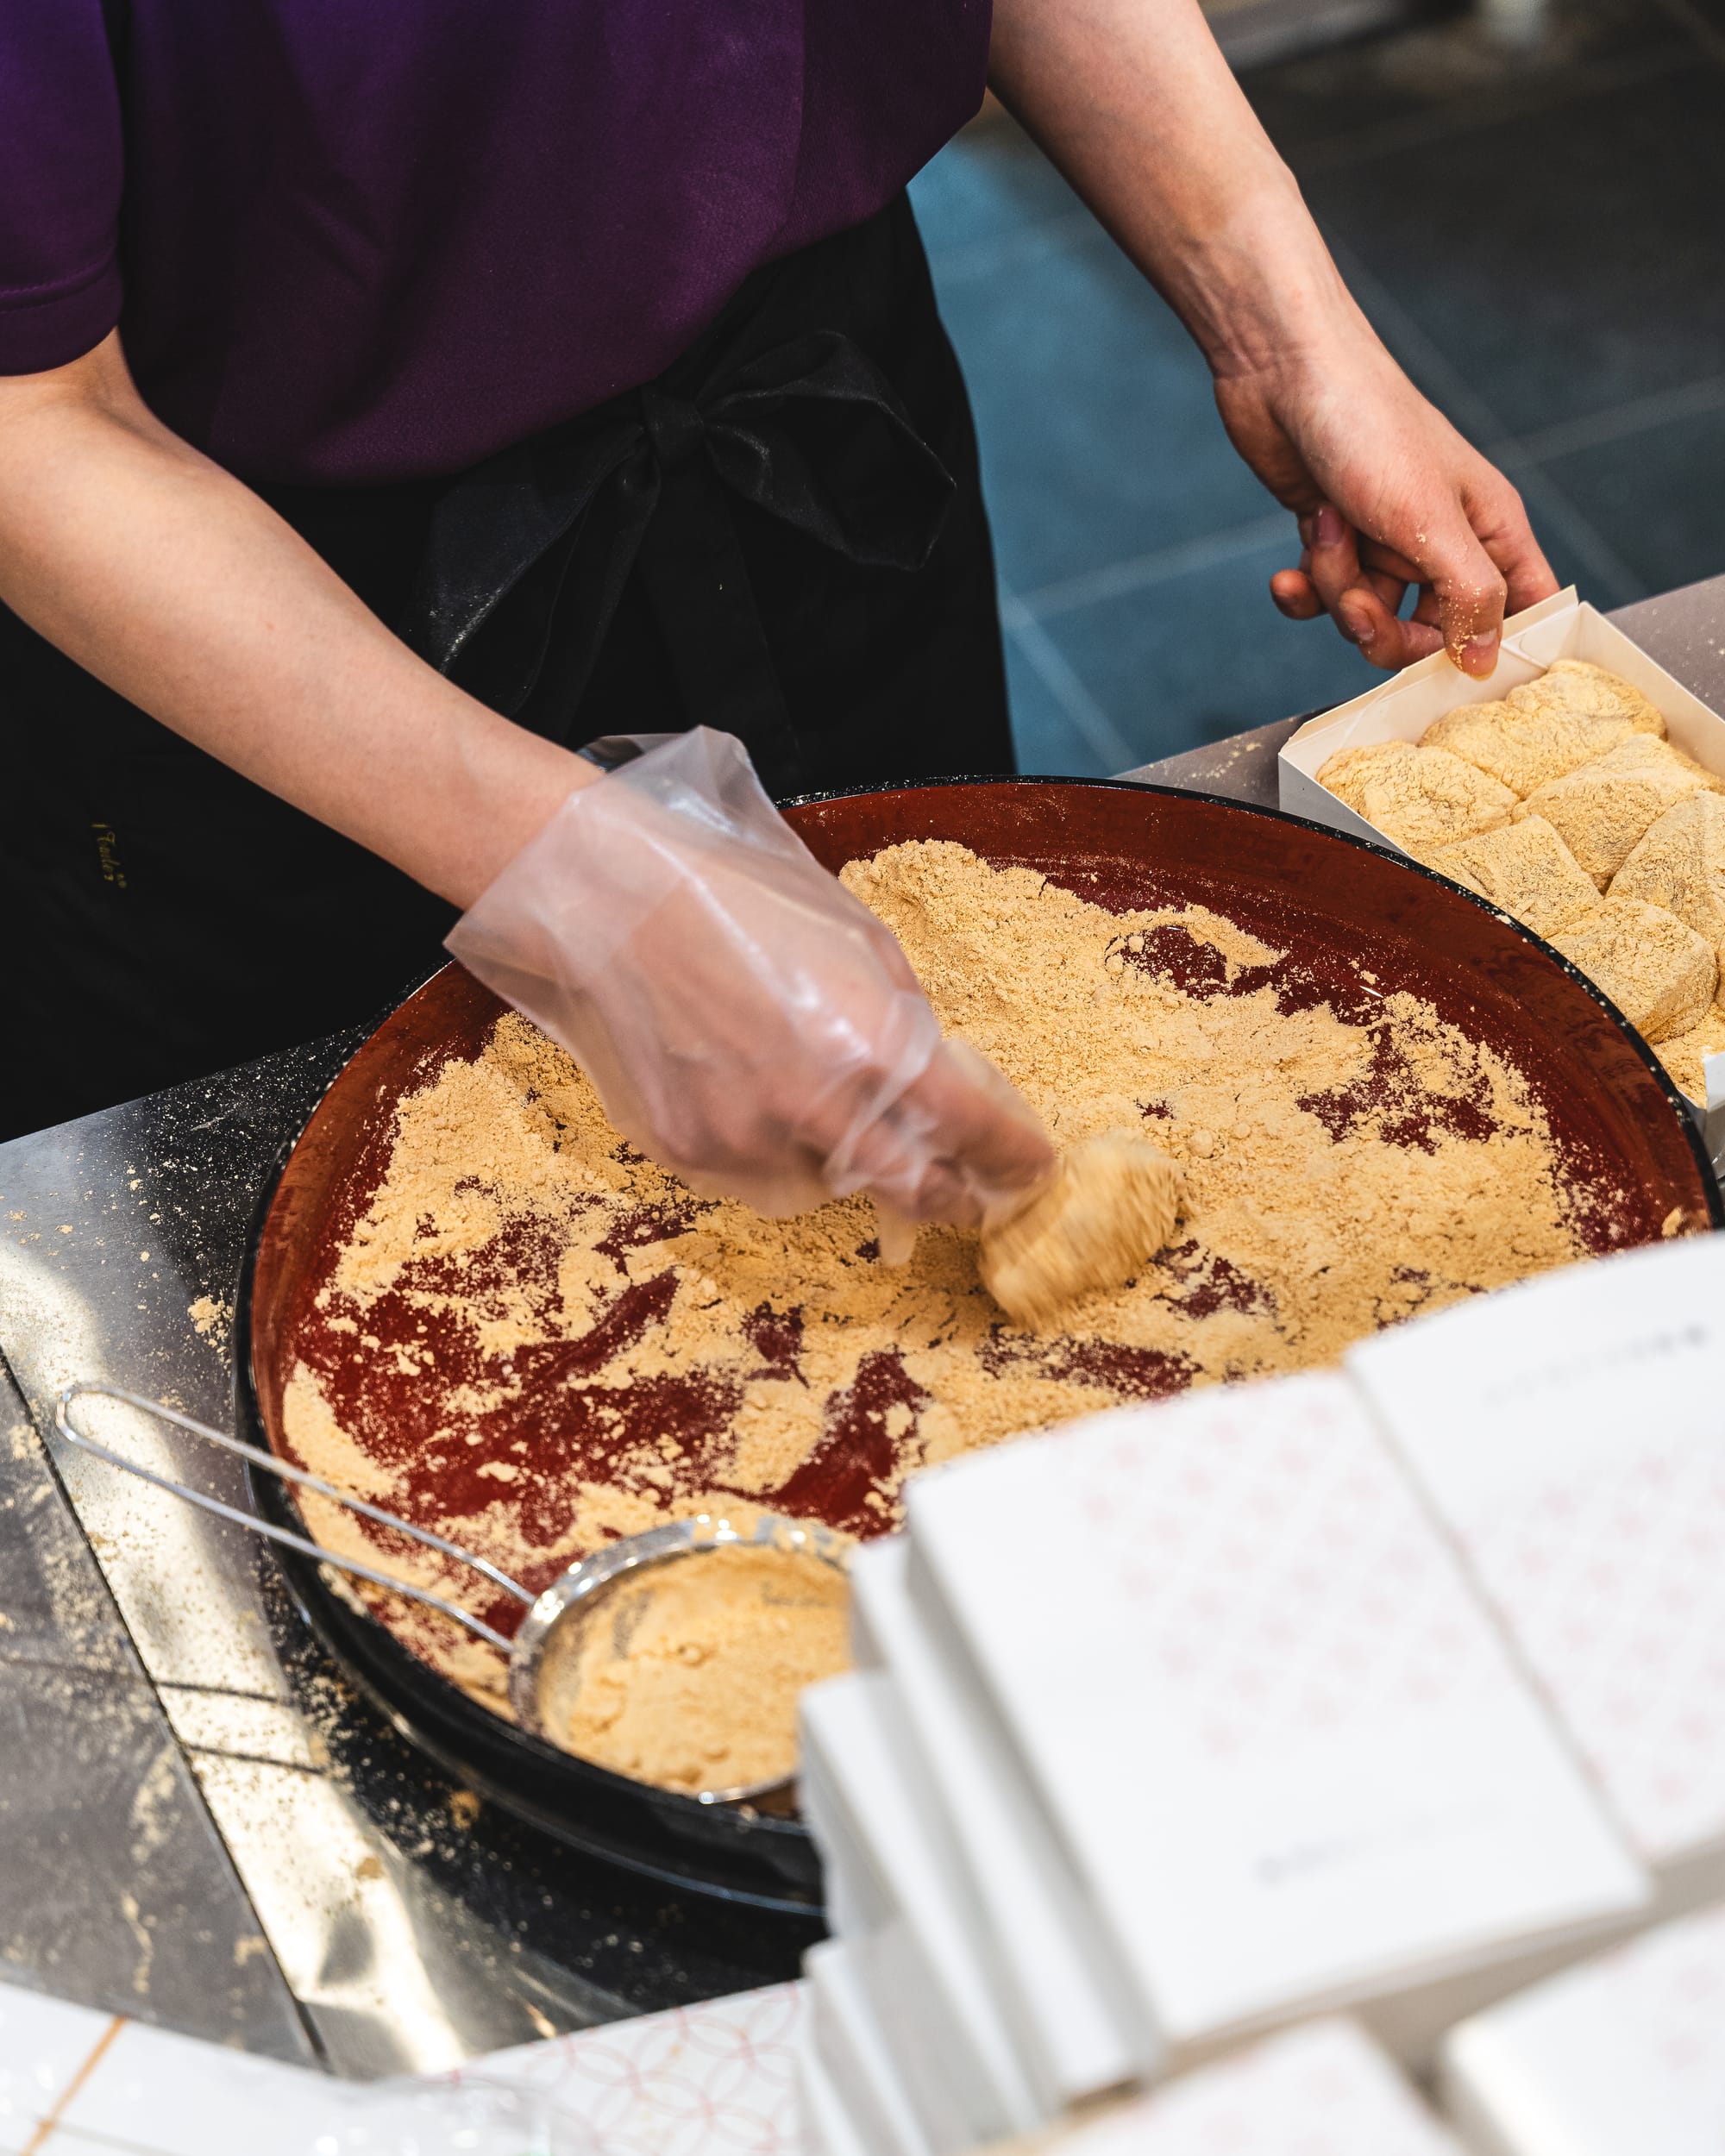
x=353 y=241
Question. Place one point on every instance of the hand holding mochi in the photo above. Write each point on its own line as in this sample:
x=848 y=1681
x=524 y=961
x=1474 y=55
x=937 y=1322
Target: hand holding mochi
x=1659 y=973
x=1113 y=1203
x=1422 y=798
x=1603 y=809
x=1525 y=871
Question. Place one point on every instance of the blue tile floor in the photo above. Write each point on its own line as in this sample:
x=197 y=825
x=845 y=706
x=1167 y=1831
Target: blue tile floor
x=1533 y=227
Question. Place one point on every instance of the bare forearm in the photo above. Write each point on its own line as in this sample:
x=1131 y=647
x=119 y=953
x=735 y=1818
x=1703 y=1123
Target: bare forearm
x=1133 y=102
x=165 y=577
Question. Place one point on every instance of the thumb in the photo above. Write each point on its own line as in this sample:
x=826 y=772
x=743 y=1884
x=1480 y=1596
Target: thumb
x=992 y=1128
x=958 y=1138
x=1470 y=591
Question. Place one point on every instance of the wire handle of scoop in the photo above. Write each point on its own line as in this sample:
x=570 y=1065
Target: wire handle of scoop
x=85 y=1388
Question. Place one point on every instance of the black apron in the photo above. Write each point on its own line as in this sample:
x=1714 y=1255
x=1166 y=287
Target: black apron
x=783 y=535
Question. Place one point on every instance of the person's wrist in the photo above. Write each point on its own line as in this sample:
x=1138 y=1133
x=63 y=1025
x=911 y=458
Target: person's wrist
x=1264 y=299
x=512 y=783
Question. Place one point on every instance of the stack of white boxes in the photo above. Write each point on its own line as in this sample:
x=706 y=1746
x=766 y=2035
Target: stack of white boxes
x=1389 y=1690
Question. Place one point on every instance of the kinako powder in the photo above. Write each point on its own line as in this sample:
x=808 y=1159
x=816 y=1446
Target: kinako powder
x=688 y=1672
x=1346 y=1158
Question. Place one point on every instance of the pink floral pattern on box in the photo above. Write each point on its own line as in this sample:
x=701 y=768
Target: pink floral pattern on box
x=1614 y=1586
x=1323 y=2090
x=716 y=2080
x=1282 y=1573
x=1626 y=2054
x=1669 y=1996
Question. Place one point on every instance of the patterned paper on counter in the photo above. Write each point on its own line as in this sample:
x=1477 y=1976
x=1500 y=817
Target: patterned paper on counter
x=714 y=2080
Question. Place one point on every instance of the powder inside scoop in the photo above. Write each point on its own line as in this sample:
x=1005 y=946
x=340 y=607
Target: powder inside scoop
x=686 y=1675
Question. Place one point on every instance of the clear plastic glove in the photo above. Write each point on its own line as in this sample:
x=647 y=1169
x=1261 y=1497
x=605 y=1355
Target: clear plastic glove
x=746 y=1020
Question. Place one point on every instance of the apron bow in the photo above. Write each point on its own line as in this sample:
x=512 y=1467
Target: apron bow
x=810 y=432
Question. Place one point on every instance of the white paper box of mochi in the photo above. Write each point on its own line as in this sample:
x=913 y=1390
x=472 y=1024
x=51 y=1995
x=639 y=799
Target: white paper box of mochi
x=1284 y=1744
x=1402 y=708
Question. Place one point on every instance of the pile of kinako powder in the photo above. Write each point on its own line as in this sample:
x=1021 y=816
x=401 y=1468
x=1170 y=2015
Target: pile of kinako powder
x=535 y=1340
x=687 y=1673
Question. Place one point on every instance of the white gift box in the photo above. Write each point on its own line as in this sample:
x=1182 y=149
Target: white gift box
x=1571 y=1430
x=1402 y=708
x=1323 y=2089
x=1624 y=2056
x=897 y=1905
x=853 y=2092
x=825 y=2125
x=1058 y=1982
x=1286 y=1749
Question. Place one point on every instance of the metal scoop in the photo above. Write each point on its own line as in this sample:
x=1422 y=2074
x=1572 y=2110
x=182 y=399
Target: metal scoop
x=543 y=1656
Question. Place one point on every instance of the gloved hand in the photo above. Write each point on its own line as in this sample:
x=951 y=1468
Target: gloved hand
x=748 y=1022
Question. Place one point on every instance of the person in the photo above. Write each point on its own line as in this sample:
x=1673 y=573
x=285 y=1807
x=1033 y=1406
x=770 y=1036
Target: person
x=396 y=400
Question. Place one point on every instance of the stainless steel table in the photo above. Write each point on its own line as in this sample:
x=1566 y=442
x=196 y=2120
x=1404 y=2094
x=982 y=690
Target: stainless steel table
x=201 y=1825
